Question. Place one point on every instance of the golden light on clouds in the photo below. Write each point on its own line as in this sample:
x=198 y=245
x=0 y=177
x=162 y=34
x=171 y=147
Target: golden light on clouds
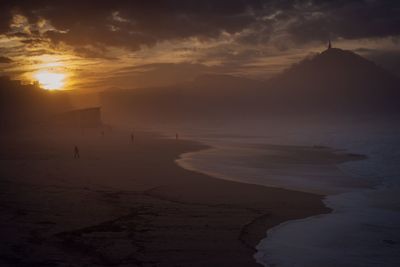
x=55 y=66
x=51 y=71
x=51 y=80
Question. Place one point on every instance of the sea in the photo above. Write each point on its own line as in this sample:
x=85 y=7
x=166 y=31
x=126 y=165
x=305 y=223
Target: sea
x=364 y=227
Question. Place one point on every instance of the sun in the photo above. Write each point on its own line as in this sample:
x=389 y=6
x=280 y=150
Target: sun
x=51 y=80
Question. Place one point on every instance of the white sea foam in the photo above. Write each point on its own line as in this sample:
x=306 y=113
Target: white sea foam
x=364 y=227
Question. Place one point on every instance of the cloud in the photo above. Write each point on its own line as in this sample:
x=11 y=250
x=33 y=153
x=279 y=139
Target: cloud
x=5 y=60
x=159 y=74
x=131 y=23
x=93 y=52
x=254 y=37
x=345 y=19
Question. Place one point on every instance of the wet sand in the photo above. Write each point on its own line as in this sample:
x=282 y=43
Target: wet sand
x=124 y=204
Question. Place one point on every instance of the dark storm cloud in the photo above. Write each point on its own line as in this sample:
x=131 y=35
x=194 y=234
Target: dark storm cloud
x=131 y=24
x=346 y=19
x=134 y=23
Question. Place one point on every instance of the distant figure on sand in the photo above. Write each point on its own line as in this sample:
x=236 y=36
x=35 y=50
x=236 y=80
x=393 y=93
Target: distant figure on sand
x=102 y=133
x=176 y=136
x=76 y=153
x=132 y=138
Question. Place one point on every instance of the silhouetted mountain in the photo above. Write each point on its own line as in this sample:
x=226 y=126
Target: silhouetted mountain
x=208 y=97
x=336 y=80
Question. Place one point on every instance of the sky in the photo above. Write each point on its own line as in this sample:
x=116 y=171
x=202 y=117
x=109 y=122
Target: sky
x=96 y=45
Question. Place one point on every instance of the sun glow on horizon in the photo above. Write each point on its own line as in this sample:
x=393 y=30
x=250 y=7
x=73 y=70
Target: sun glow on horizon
x=51 y=80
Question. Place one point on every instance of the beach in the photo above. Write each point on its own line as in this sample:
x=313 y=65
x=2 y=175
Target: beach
x=130 y=204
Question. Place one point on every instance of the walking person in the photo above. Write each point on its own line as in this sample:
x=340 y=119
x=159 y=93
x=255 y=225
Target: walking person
x=132 y=138
x=76 y=152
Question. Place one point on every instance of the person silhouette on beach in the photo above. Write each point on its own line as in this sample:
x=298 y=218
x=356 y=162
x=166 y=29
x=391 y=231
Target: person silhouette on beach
x=176 y=136
x=76 y=152
x=132 y=138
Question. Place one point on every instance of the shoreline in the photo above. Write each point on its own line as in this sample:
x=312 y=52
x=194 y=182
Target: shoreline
x=337 y=156
x=256 y=230
x=134 y=205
